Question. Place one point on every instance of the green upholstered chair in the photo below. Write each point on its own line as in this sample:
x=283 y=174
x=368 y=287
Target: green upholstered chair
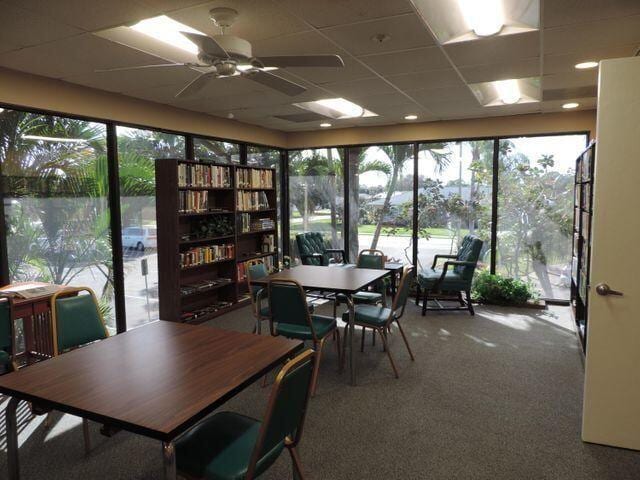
x=77 y=321
x=371 y=258
x=230 y=446
x=313 y=249
x=290 y=317
x=6 y=335
x=380 y=319
x=258 y=294
x=454 y=278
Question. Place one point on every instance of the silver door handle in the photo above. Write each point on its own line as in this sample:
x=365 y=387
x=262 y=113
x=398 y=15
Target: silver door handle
x=604 y=290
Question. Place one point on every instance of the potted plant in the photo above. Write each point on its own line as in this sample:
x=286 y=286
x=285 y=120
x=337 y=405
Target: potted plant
x=495 y=289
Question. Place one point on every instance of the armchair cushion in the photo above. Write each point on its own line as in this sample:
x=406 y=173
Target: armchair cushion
x=369 y=315
x=469 y=252
x=321 y=324
x=313 y=249
x=5 y=359
x=220 y=448
x=453 y=281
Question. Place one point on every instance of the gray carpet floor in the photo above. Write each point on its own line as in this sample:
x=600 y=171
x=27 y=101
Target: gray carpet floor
x=495 y=396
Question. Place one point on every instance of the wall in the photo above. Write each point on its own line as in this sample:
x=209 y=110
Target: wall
x=579 y=121
x=22 y=89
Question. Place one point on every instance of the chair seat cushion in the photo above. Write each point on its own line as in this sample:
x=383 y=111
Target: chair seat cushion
x=4 y=358
x=264 y=311
x=369 y=315
x=220 y=448
x=366 y=297
x=321 y=324
x=428 y=277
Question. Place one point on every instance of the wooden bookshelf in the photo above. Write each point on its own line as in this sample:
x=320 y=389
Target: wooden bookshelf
x=202 y=253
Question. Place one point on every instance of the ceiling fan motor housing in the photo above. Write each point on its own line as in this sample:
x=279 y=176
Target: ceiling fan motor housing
x=236 y=47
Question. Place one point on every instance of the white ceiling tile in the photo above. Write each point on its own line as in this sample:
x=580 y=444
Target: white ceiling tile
x=567 y=12
x=90 y=16
x=556 y=105
x=428 y=96
x=566 y=62
x=576 y=78
x=326 y=13
x=168 y=6
x=494 y=49
x=434 y=79
x=409 y=61
x=74 y=56
x=372 y=86
x=257 y=20
x=518 y=68
x=377 y=102
x=20 y=28
x=405 y=31
x=586 y=37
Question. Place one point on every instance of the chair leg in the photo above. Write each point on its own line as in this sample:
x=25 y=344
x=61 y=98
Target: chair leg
x=336 y=336
x=417 y=294
x=48 y=420
x=383 y=335
x=373 y=337
x=362 y=339
x=404 y=337
x=87 y=437
x=469 y=305
x=345 y=335
x=424 y=303
x=296 y=464
x=14 y=366
x=316 y=368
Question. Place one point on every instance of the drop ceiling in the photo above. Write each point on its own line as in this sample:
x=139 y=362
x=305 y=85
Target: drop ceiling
x=408 y=73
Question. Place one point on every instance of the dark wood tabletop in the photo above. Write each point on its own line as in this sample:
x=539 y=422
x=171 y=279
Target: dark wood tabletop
x=157 y=380
x=332 y=279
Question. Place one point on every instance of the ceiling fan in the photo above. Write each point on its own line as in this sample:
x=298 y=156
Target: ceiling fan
x=227 y=55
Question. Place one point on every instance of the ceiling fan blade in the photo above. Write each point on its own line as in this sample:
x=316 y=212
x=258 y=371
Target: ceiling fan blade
x=142 y=67
x=206 y=44
x=273 y=81
x=302 y=61
x=195 y=85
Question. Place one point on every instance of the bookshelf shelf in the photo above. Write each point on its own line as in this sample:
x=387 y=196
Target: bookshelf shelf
x=207 y=185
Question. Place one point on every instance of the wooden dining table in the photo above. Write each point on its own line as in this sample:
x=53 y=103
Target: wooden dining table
x=338 y=279
x=158 y=380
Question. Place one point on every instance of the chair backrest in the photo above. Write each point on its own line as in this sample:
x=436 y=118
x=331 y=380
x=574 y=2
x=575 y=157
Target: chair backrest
x=254 y=272
x=402 y=295
x=286 y=410
x=76 y=319
x=370 y=258
x=308 y=243
x=6 y=330
x=469 y=252
x=288 y=304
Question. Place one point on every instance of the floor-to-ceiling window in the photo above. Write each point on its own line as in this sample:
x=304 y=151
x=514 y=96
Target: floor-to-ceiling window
x=216 y=151
x=316 y=195
x=381 y=200
x=535 y=210
x=454 y=197
x=55 y=192
x=137 y=151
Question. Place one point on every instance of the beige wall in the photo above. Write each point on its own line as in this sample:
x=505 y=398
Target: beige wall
x=22 y=89
x=486 y=127
x=38 y=92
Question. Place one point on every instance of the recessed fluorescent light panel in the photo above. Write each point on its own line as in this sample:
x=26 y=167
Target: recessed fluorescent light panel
x=570 y=105
x=336 y=108
x=325 y=125
x=410 y=117
x=507 y=92
x=167 y=30
x=454 y=21
x=586 y=65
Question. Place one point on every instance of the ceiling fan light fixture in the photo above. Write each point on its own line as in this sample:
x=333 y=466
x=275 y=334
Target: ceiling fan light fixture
x=411 y=117
x=485 y=18
x=570 y=105
x=167 y=30
x=508 y=91
x=586 y=65
x=325 y=125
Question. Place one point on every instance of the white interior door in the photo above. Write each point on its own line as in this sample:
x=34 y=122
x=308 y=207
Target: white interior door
x=612 y=371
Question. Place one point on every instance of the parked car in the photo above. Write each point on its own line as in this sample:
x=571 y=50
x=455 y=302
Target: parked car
x=140 y=237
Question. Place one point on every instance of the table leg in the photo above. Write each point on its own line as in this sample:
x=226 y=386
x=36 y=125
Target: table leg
x=169 y=461
x=12 y=439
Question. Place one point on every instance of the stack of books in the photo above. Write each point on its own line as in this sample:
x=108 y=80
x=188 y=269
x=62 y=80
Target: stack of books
x=252 y=201
x=193 y=201
x=208 y=254
x=203 y=176
x=254 y=178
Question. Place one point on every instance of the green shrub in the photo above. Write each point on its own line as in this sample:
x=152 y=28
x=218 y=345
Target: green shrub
x=496 y=289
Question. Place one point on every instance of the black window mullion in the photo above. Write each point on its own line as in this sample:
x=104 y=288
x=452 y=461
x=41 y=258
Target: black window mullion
x=494 y=203
x=4 y=258
x=284 y=201
x=345 y=204
x=415 y=229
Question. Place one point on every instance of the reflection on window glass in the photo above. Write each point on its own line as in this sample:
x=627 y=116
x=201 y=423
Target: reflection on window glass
x=316 y=192
x=137 y=151
x=216 y=151
x=269 y=157
x=535 y=210
x=381 y=200
x=454 y=197
x=55 y=182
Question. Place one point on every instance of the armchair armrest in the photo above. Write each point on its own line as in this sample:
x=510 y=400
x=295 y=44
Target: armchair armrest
x=435 y=259
x=319 y=256
x=339 y=251
x=260 y=296
x=455 y=263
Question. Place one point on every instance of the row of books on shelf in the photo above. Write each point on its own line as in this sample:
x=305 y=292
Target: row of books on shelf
x=211 y=176
x=202 y=312
x=242 y=267
x=203 y=286
x=254 y=178
x=255 y=225
x=193 y=201
x=207 y=254
x=252 y=201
